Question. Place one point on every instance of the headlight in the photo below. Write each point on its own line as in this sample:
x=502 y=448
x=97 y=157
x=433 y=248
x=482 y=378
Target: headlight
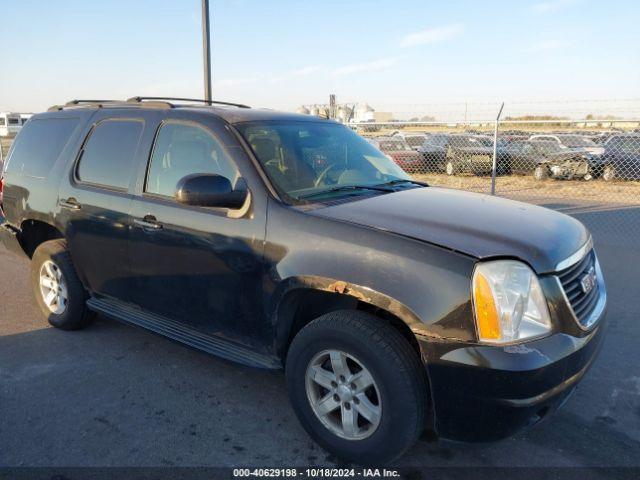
x=508 y=302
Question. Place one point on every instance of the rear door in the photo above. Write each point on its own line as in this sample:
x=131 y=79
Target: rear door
x=94 y=202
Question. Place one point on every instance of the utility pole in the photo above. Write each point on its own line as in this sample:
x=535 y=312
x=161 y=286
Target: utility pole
x=206 y=50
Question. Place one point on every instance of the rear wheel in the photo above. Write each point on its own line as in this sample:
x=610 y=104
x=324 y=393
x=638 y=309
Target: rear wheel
x=357 y=386
x=541 y=172
x=608 y=173
x=58 y=290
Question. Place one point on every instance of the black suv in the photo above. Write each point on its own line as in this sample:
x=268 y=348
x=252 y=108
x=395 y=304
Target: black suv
x=287 y=241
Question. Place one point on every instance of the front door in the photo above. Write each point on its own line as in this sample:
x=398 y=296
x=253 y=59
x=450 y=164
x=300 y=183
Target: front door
x=195 y=265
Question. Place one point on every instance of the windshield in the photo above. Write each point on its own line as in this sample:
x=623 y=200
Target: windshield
x=462 y=141
x=629 y=145
x=549 y=146
x=311 y=158
x=575 y=141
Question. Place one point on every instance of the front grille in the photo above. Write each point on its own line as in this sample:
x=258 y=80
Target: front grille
x=571 y=278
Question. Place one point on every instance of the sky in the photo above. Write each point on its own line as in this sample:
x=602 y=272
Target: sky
x=400 y=55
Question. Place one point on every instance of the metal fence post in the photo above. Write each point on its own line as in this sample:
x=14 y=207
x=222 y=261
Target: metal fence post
x=494 y=167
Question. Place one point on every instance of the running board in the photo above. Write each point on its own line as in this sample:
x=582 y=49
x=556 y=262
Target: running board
x=168 y=328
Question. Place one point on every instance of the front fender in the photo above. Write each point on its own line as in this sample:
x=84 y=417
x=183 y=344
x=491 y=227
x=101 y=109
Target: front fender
x=426 y=286
x=357 y=292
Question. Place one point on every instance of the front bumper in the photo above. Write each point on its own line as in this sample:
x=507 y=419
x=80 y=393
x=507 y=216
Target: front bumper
x=484 y=393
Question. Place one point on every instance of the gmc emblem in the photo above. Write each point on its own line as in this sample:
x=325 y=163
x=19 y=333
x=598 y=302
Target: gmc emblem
x=588 y=280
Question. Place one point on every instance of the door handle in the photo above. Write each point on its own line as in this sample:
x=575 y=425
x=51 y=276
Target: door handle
x=149 y=222
x=70 y=204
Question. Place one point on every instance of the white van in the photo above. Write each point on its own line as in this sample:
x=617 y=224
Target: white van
x=10 y=124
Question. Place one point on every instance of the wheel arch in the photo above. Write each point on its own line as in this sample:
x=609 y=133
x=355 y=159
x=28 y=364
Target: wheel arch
x=302 y=299
x=35 y=232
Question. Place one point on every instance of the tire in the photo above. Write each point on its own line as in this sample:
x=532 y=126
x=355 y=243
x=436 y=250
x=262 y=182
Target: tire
x=541 y=172
x=608 y=173
x=399 y=389
x=52 y=260
x=450 y=168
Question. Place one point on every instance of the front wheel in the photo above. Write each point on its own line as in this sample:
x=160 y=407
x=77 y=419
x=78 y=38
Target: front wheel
x=357 y=386
x=450 y=168
x=541 y=172
x=608 y=173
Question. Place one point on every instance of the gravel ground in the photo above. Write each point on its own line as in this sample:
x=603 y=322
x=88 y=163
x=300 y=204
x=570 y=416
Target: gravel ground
x=113 y=395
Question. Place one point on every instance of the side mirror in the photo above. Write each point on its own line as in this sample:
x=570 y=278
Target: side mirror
x=210 y=190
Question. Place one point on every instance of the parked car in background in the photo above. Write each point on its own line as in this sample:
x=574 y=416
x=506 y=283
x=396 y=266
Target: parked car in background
x=547 y=158
x=434 y=151
x=572 y=141
x=621 y=158
x=10 y=124
x=413 y=139
x=472 y=154
x=396 y=148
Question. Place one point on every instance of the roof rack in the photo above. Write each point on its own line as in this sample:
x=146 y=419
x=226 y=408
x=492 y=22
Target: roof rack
x=102 y=103
x=197 y=100
x=79 y=102
x=146 y=102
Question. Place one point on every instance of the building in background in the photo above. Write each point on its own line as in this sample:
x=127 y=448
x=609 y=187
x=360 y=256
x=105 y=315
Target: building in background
x=346 y=112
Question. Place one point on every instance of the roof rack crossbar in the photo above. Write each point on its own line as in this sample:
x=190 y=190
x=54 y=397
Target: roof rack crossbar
x=198 y=100
x=111 y=103
x=78 y=102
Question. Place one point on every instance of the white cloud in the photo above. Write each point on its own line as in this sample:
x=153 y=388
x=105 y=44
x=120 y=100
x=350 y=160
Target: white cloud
x=300 y=72
x=310 y=70
x=432 y=35
x=380 y=64
x=545 y=45
x=552 y=6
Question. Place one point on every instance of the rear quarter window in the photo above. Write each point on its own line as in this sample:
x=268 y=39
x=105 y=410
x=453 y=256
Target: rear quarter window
x=39 y=144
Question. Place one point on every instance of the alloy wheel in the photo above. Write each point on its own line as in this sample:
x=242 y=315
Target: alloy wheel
x=343 y=394
x=53 y=287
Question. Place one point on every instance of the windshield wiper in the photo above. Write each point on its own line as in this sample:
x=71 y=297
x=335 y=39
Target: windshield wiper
x=399 y=181
x=341 y=188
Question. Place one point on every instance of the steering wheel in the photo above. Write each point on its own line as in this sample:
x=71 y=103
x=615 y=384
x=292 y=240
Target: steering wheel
x=323 y=174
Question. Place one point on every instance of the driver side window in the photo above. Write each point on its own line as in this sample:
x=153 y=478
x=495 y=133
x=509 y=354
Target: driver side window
x=183 y=149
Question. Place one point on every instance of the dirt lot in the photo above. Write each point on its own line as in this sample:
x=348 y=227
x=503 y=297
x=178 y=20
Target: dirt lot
x=525 y=187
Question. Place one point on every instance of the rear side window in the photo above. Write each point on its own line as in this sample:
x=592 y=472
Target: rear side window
x=39 y=144
x=107 y=156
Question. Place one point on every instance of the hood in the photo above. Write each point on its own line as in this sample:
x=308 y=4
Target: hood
x=478 y=225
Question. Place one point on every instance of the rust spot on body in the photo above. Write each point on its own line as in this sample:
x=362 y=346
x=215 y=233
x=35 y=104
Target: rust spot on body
x=343 y=288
